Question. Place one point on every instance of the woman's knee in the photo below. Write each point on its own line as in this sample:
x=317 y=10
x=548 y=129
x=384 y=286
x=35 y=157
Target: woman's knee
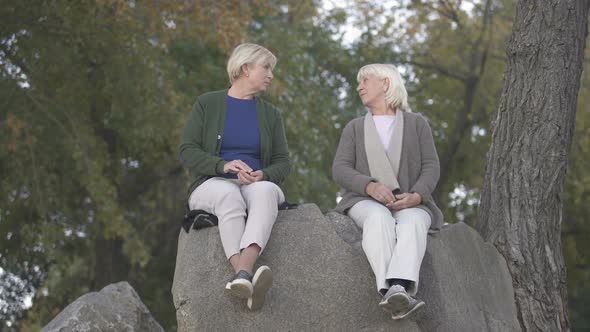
x=231 y=200
x=264 y=190
x=212 y=192
x=378 y=229
x=232 y=195
x=264 y=187
x=414 y=216
x=379 y=220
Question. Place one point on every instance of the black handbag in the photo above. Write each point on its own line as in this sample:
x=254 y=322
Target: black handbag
x=197 y=219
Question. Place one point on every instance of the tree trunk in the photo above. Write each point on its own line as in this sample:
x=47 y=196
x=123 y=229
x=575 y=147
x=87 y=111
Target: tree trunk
x=110 y=263
x=448 y=160
x=521 y=207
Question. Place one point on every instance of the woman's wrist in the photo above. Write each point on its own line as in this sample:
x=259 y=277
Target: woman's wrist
x=220 y=167
x=369 y=188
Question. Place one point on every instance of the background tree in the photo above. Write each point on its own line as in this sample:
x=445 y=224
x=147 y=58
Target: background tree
x=90 y=130
x=576 y=209
x=307 y=88
x=94 y=96
x=450 y=54
x=521 y=205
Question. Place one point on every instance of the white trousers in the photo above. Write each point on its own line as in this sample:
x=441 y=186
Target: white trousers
x=229 y=200
x=394 y=241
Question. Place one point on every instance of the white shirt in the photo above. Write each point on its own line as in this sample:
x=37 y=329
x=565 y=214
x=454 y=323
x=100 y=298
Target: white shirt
x=384 y=124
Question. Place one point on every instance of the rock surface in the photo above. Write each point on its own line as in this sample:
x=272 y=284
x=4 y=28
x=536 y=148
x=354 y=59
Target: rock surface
x=117 y=307
x=324 y=282
x=463 y=280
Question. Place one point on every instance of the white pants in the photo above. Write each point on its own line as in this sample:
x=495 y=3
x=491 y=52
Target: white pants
x=394 y=241
x=229 y=200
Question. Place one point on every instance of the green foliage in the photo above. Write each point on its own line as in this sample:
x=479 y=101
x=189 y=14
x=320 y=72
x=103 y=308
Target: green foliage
x=79 y=171
x=306 y=89
x=576 y=198
x=451 y=62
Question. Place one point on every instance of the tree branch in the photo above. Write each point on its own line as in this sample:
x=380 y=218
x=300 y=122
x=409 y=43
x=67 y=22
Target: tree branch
x=447 y=10
x=436 y=67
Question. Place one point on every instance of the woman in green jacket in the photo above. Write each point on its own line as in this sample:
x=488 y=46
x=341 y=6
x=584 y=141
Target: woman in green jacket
x=235 y=149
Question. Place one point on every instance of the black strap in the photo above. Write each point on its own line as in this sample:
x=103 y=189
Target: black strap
x=288 y=206
x=197 y=219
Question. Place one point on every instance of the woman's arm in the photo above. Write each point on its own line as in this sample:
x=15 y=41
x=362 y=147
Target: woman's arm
x=280 y=164
x=430 y=170
x=192 y=153
x=343 y=169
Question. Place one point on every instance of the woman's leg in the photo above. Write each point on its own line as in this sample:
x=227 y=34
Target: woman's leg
x=379 y=241
x=262 y=200
x=222 y=197
x=412 y=230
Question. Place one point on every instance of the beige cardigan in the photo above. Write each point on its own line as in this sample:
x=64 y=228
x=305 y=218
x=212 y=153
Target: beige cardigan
x=418 y=172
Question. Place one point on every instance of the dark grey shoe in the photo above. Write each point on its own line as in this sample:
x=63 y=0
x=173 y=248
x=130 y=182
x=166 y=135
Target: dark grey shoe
x=396 y=300
x=413 y=306
x=262 y=281
x=241 y=285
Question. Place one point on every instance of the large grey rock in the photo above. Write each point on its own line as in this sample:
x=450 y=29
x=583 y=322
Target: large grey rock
x=320 y=282
x=466 y=284
x=324 y=282
x=117 y=307
x=346 y=229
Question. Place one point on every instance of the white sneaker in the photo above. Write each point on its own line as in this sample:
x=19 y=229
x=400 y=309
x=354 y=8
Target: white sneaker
x=240 y=286
x=396 y=300
x=262 y=281
x=413 y=306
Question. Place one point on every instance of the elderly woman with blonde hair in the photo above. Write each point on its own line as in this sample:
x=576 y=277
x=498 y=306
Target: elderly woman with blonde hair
x=235 y=149
x=387 y=164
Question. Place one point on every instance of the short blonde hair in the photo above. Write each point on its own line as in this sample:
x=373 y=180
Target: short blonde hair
x=396 y=96
x=248 y=53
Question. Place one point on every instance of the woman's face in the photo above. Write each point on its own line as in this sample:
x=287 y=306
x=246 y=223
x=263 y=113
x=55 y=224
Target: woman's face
x=371 y=90
x=259 y=76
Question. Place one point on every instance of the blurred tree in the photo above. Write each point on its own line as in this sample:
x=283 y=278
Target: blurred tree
x=576 y=209
x=307 y=88
x=81 y=180
x=94 y=94
x=449 y=53
x=90 y=121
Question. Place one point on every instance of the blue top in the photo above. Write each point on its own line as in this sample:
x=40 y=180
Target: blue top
x=241 y=134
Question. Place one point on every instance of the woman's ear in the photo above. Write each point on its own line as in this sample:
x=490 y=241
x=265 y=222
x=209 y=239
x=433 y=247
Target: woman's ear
x=385 y=84
x=245 y=69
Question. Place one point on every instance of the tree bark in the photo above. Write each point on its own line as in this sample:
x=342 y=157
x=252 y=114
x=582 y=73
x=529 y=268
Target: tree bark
x=110 y=263
x=521 y=207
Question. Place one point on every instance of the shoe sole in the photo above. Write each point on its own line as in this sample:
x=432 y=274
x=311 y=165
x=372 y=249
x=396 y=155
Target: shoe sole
x=240 y=288
x=395 y=303
x=407 y=314
x=262 y=282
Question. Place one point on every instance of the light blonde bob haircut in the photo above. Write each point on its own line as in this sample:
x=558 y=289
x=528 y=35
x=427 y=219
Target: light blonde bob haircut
x=396 y=96
x=245 y=54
